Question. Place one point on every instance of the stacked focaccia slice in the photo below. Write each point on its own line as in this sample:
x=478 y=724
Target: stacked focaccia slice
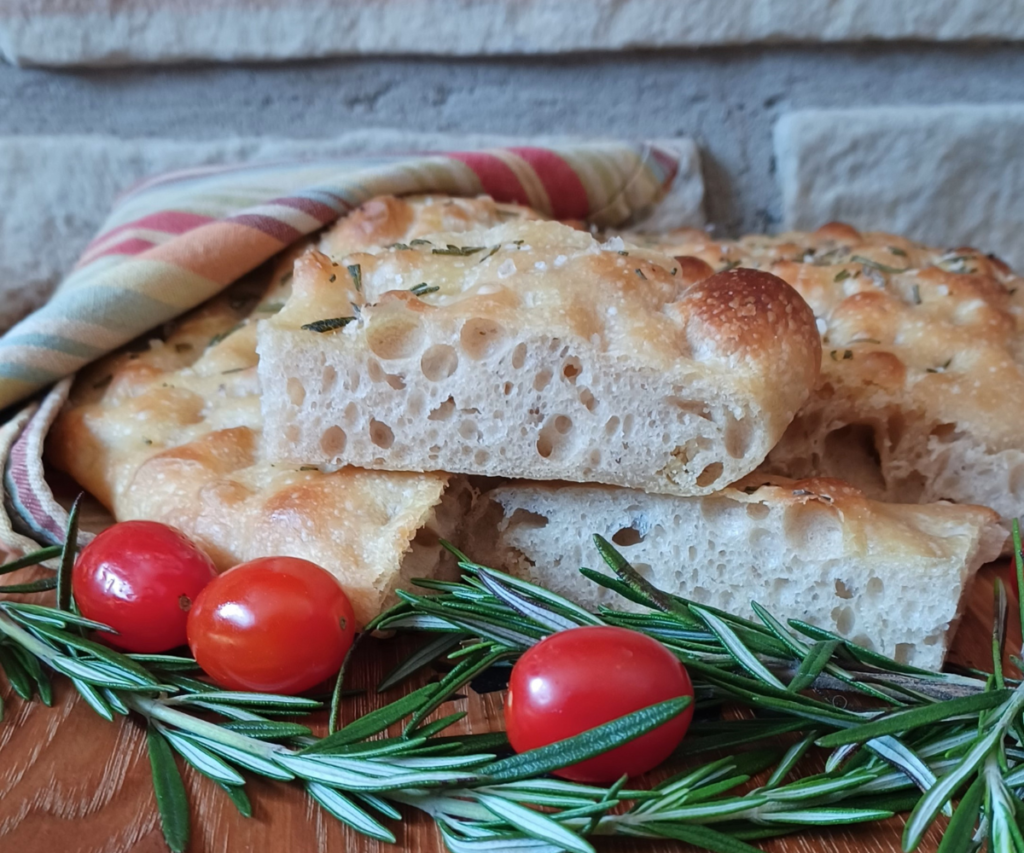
x=533 y=350
x=887 y=576
x=171 y=432
x=536 y=352
x=921 y=384
x=422 y=340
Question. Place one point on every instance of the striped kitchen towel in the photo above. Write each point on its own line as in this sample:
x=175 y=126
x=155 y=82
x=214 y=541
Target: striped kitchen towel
x=175 y=241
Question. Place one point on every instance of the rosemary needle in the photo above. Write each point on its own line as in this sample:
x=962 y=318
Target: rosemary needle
x=908 y=740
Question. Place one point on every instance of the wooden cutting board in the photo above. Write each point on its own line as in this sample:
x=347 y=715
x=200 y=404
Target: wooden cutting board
x=70 y=782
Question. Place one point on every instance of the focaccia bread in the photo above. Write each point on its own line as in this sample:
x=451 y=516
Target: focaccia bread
x=171 y=433
x=886 y=576
x=922 y=379
x=532 y=350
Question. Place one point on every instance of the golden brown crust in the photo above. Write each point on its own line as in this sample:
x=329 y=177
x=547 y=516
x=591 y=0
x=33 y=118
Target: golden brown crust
x=922 y=360
x=742 y=341
x=170 y=432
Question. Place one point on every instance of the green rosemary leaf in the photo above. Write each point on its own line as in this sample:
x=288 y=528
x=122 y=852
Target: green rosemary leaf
x=554 y=601
x=33 y=559
x=826 y=816
x=129 y=669
x=813 y=664
x=859 y=652
x=94 y=698
x=899 y=755
x=373 y=722
x=534 y=824
x=497 y=843
x=338 y=805
x=536 y=762
x=539 y=798
x=1018 y=562
x=171 y=799
x=329 y=325
x=422 y=289
x=67 y=558
x=548 y=618
x=416 y=622
x=31 y=665
x=101 y=674
x=867 y=262
x=700 y=836
x=461 y=251
x=708 y=792
x=615 y=585
x=356 y=272
x=41 y=585
x=960 y=829
x=267 y=730
x=465 y=671
x=263 y=701
x=474 y=744
x=201 y=759
x=792 y=757
x=352 y=774
x=239 y=798
x=422 y=657
x=189 y=684
x=753 y=732
x=821 y=786
x=381 y=805
x=168 y=663
x=114 y=701
x=998 y=632
x=17 y=675
x=653 y=597
x=216 y=339
x=740 y=652
x=34 y=613
x=230 y=712
x=932 y=802
x=907 y=720
x=243 y=758
x=431 y=729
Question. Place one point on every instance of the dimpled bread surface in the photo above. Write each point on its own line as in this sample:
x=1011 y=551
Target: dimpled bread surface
x=921 y=384
x=170 y=432
x=530 y=349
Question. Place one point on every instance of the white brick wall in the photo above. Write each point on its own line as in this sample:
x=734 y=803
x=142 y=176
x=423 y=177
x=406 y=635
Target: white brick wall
x=951 y=175
x=69 y=32
x=57 y=190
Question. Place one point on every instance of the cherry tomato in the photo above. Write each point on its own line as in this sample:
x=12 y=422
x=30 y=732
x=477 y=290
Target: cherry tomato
x=140 y=578
x=273 y=625
x=575 y=680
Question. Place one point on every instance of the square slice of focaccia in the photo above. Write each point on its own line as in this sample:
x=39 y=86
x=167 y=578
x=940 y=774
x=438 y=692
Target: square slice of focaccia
x=171 y=432
x=889 y=577
x=530 y=349
x=922 y=375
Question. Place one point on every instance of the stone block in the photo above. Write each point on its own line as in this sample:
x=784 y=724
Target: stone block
x=69 y=32
x=948 y=176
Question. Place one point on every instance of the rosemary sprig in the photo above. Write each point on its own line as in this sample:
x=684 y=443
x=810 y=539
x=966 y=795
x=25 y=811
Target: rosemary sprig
x=906 y=738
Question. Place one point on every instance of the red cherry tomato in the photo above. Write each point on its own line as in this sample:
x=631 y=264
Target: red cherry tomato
x=575 y=680
x=273 y=625
x=140 y=578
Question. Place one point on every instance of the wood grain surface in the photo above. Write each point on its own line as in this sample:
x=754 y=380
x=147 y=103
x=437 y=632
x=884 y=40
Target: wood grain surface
x=70 y=782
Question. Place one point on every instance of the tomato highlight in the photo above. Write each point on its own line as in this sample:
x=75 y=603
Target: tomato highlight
x=578 y=679
x=272 y=625
x=141 y=578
